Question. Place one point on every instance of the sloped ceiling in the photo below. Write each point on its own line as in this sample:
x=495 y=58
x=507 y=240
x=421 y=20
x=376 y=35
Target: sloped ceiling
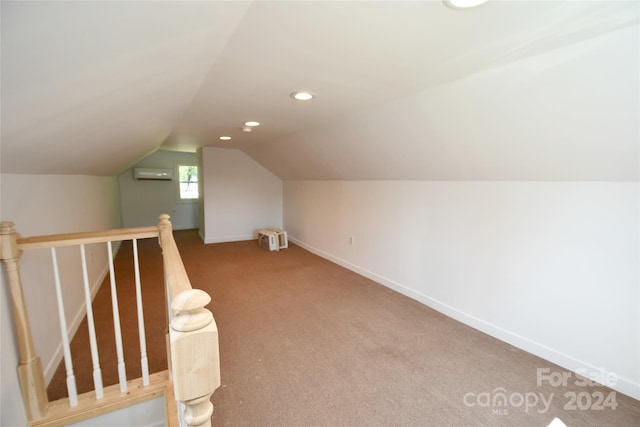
x=405 y=90
x=90 y=87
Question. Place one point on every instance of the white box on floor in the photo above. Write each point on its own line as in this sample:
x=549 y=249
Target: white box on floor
x=268 y=240
x=281 y=235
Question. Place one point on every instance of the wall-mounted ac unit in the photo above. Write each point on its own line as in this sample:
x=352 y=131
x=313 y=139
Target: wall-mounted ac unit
x=152 y=173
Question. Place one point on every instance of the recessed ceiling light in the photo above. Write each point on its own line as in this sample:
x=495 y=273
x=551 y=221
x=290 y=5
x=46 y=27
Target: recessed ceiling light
x=225 y=138
x=301 y=96
x=252 y=124
x=463 y=4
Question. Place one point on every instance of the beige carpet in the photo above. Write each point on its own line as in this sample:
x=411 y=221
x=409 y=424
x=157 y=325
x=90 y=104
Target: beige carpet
x=305 y=342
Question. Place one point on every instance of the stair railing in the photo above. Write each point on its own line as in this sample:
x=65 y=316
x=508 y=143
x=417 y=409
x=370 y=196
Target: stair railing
x=192 y=344
x=193 y=336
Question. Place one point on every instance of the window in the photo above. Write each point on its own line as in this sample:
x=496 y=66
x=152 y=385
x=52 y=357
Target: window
x=188 y=182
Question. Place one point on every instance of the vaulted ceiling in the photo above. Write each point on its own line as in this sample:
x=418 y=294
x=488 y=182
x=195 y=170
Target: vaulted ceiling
x=540 y=90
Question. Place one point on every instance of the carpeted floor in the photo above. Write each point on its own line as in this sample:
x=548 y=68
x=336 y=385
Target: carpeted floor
x=305 y=342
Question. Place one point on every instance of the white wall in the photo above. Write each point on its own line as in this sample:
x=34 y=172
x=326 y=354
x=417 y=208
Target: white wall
x=150 y=413
x=552 y=268
x=143 y=201
x=240 y=196
x=48 y=204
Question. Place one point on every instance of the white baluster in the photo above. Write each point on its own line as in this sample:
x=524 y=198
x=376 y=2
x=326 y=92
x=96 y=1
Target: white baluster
x=143 y=343
x=122 y=373
x=68 y=364
x=97 y=372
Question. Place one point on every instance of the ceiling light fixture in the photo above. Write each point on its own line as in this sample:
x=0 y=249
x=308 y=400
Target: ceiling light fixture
x=302 y=96
x=225 y=138
x=252 y=124
x=463 y=4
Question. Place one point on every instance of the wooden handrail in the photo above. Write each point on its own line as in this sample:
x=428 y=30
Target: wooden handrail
x=71 y=239
x=176 y=277
x=193 y=336
x=192 y=343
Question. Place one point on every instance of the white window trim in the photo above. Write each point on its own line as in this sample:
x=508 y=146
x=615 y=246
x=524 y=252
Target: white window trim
x=179 y=199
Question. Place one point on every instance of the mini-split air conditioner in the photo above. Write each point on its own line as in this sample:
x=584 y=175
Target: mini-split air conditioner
x=152 y=173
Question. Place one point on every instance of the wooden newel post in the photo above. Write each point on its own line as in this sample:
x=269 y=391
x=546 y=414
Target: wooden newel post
x=30 y=371
x=194 y=356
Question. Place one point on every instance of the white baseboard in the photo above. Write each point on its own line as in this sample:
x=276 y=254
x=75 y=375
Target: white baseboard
x=623 y=385
x=50 y=368
x=224 y=239
x=184 y=227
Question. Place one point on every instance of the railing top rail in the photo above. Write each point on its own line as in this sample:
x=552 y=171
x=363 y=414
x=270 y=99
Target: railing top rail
x=176 y=276
x=71 y=239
